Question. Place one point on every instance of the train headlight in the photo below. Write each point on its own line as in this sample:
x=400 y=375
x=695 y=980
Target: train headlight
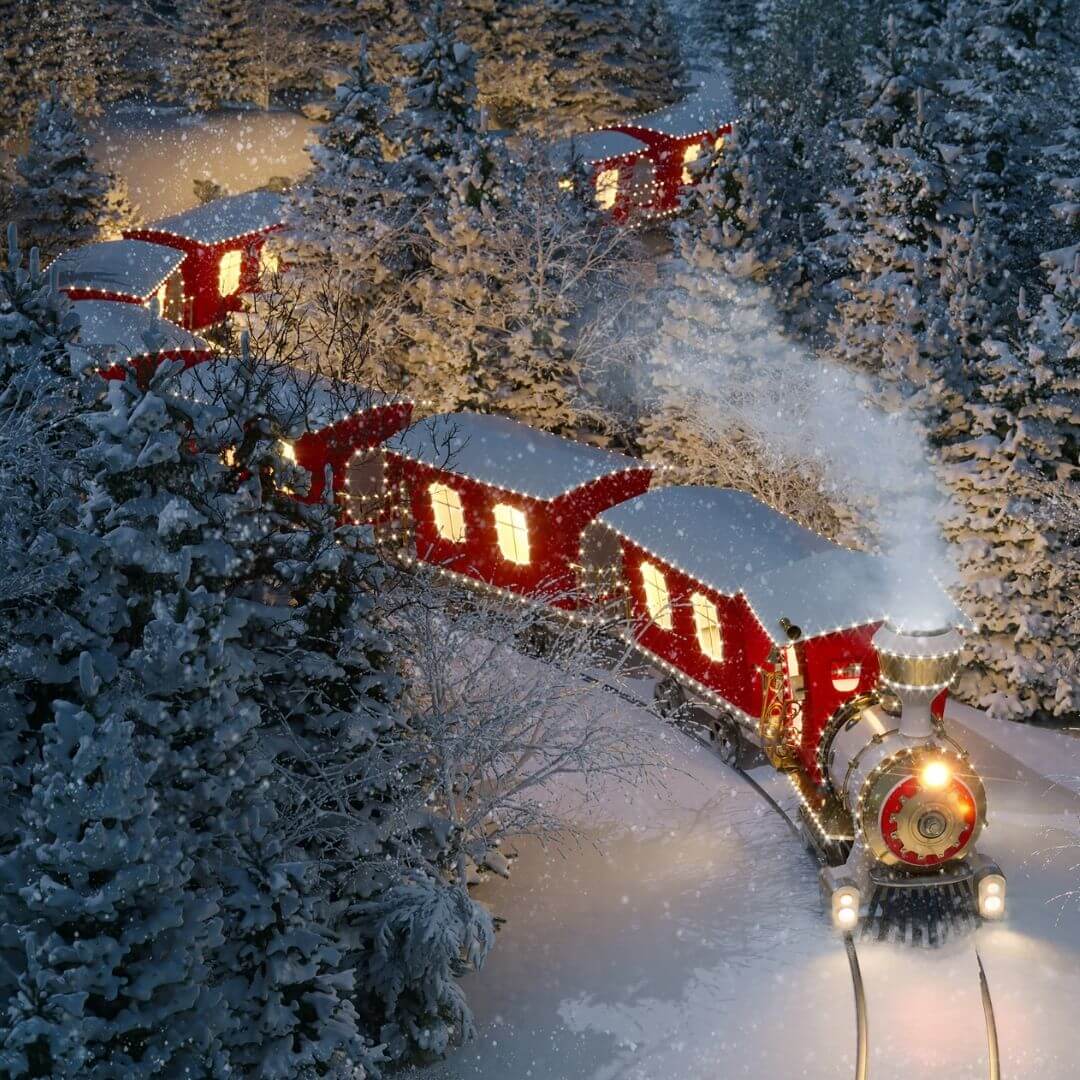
x=935 y=776
x=845 y=907
x=992 y=896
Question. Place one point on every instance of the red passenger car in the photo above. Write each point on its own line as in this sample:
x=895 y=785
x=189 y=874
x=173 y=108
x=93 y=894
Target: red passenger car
x=223 y=248
x=328 y=421
x=716 y=581
x=126 y=271
x=118 y=334
x=502 y=503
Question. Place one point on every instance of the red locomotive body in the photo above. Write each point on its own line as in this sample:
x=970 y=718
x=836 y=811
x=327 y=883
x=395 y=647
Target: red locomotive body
x=223 y=248
x=502 y=503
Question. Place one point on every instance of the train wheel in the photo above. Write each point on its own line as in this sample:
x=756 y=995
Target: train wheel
x=669 y=697
x=728 y=740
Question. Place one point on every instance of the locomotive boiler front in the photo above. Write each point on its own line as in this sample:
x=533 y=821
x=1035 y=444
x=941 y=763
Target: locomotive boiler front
x=915 y=801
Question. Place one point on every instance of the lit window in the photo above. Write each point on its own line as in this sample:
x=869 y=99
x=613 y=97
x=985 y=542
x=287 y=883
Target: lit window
x=449 y=517
x=656 y=596
x=691 y=153
x=513 y=533
x=287 y=451
x=607 y=188
x=229 y=272
x=846 y=676
x=566 y=184
x=707 y=624
x=718 y=143
x=268 y=261
x=161 y=296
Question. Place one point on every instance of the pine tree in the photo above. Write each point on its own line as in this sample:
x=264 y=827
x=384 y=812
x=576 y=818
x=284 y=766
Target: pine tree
x=220 y=59
x=67 y=59
x=19 y=79
x=113 y=975
x=610 y=61
x=61 y=199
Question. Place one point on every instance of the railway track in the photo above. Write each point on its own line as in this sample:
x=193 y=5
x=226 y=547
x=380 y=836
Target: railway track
x=862 y=1022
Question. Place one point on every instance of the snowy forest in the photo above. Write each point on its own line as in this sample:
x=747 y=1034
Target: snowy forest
x=250 y=771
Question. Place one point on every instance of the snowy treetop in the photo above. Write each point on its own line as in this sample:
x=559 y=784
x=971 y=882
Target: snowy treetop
x=127 y=267
x=123 y=328
x=226 y=218
x=731 y=542
x=705 y=110
x=592 y=146
x=507 y=454
x=300 y=400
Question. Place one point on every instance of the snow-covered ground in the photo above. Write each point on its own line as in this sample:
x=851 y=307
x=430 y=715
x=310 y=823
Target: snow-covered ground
x=690 y=944
x=161 y=150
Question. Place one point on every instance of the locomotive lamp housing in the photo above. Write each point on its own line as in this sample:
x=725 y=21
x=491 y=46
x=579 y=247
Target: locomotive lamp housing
x=990 y=887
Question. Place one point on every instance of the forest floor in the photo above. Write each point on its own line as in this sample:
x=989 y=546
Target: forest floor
x=685 y=940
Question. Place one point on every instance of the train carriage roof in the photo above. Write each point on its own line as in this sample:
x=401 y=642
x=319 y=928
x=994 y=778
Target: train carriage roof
x=506 y=454
x=122 y=328
x=710 y=106
x=125 y=267
x=224 y=219
x=731 y=542
x=594 y=146
x=300 y=400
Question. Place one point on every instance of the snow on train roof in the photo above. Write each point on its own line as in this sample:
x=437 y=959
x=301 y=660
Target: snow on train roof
x=506 y=454
x=301 y=400
x=225 y=219
x=126 y=267
x=591 y=146
x=731 y=542
x=106 y=324
x=710 y=105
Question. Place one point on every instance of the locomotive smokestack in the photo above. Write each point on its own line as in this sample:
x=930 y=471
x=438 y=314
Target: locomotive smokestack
x=917 y=665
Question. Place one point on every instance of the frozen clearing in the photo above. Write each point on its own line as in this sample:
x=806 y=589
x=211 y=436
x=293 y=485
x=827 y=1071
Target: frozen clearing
x=691 y=946
x=161 y=150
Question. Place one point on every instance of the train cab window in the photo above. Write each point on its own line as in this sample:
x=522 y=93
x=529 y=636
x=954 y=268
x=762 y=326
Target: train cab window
x=607 y=188
x=512 y=532
x=690 y=154
x=707 y=624
x=449 y=516
x=657 y=601
x=229 y=272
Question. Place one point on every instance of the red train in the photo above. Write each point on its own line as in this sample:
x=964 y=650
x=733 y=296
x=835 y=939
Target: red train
x=779 y=639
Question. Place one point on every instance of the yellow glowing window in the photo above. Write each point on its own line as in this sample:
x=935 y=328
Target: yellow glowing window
x=228 y=279
x=512 y=531
x=268 y=261
x=718 y=144
x=691 y=153
x=657 y=601
x=160 y=296
x=449 y=517
x=707 y=624
x=566 y=184
x=607 y=188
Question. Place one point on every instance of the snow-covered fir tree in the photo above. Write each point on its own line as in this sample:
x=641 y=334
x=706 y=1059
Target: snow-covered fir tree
x=61 y=198
x=931 y=302
x=609 y=61
x=20 y=87
x=385 y=24
x=219 y=60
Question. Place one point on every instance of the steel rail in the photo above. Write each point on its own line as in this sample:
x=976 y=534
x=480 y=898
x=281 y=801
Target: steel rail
x=862 y=1026
x=994 y=1055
